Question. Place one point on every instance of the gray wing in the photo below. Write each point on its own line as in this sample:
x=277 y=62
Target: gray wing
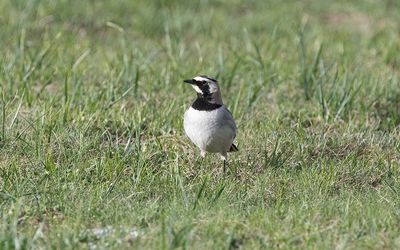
x=228 y=120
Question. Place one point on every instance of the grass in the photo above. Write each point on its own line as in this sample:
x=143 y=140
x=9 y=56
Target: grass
x=92 y=149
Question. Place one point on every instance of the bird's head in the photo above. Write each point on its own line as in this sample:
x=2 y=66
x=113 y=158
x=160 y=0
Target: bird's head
x=206 y=87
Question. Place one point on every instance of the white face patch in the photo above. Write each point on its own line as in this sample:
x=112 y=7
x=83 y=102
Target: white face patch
x=207 y=89
x=213 y=86
x=200 y=78
x=197 y=89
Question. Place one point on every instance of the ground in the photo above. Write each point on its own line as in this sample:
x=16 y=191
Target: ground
x=92 y=148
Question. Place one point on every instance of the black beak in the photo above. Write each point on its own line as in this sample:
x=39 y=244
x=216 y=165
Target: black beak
x=191 y=81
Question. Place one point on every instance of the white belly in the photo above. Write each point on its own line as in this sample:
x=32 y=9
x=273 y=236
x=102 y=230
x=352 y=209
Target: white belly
x=210 y=130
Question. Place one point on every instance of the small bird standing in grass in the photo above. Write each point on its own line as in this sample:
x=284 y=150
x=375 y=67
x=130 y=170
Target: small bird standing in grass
x=208 y=123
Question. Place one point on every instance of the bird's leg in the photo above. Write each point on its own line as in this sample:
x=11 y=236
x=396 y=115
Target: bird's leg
x=224 y=157
x=224 y=167
x=203 y=156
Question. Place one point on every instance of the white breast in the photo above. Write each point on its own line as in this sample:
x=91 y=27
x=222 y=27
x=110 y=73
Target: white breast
x=212 y=131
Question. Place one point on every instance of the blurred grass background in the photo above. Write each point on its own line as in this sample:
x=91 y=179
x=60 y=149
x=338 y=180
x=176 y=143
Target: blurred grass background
x=91 y=135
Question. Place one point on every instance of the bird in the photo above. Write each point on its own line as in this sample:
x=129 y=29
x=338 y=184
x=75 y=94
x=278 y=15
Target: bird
x=208 y=123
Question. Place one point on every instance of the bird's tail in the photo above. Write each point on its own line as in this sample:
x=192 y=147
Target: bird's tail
x=233 y=148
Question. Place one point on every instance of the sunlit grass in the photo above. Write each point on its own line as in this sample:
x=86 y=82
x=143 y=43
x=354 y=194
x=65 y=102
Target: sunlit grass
x=92 y=149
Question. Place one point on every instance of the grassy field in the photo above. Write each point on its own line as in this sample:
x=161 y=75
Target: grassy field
x=92 y=149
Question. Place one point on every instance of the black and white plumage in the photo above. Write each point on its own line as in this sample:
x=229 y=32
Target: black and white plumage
x=208 y=123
